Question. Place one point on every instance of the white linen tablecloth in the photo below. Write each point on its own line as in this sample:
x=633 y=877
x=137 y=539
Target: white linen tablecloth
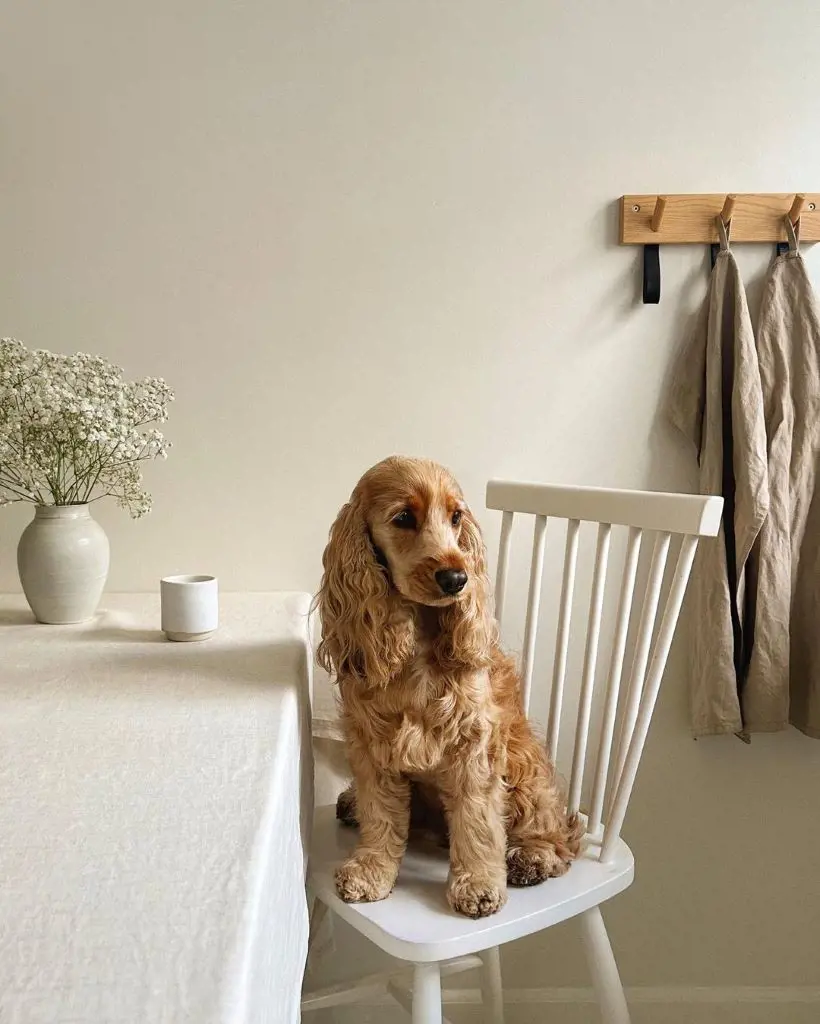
x=155 y=806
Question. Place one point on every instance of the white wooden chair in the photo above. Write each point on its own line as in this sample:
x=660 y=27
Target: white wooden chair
x=415 y=924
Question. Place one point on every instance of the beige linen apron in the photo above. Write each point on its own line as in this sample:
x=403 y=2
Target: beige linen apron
x=716 y=401
x=783 y=682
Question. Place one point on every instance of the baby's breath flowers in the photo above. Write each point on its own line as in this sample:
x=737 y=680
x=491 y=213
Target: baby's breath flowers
x=72 y=430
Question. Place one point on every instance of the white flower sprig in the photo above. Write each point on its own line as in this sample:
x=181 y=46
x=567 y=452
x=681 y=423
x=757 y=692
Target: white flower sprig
x=73 y=431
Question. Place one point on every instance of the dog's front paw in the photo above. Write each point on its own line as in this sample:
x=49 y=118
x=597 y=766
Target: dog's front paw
x=476 y=897
x=529 y=865
x=364 y=880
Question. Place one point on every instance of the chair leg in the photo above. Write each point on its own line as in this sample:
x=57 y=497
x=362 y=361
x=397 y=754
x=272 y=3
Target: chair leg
x=492 y=995
x=604 y=970
x=427 y=994
x=321 y=935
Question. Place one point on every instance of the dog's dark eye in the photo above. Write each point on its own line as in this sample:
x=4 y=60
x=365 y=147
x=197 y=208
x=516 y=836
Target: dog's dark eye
x=405 y=520
x=457 y=517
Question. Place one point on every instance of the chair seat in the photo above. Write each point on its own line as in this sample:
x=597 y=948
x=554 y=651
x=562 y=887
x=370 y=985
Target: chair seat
x=416 y=923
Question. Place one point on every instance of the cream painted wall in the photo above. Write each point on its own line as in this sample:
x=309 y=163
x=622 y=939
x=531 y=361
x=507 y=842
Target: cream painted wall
x=343 y=229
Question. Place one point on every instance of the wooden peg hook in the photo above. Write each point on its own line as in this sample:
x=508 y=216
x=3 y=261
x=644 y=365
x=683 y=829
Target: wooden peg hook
x=657 y=216
x=797 y=208
x=729 y=209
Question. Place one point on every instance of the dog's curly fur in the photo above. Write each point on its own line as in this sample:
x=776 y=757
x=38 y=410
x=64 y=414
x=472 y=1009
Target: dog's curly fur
x=430 y=705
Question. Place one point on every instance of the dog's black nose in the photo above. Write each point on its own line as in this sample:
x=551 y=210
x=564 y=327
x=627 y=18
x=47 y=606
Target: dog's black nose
x=451 y=581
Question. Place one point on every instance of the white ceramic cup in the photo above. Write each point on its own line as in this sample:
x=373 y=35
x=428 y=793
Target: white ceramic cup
x=190 y=607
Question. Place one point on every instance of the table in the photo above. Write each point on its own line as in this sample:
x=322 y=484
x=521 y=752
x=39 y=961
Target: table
x=155 y=806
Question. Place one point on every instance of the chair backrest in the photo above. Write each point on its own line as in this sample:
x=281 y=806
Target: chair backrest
x=686 y=516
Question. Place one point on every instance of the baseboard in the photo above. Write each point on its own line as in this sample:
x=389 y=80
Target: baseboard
x=657 y=995
x=666 y=995
x=668 y=1004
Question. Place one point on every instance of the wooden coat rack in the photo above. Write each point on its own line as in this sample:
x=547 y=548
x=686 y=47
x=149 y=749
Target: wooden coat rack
x=692 y=219
x=655 y=220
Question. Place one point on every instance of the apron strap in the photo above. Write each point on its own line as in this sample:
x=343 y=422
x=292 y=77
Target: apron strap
x=793 y=234
x=724 y=230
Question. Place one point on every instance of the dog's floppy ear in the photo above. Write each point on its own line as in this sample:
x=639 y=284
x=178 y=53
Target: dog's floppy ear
x=468 y=627
x=363 y=637
x=472 y=543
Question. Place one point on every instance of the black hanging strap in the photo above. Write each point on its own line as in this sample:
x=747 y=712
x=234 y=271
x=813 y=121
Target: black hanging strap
x=651 y=274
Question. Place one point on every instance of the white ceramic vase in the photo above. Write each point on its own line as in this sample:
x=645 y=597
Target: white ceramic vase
x=62 y=558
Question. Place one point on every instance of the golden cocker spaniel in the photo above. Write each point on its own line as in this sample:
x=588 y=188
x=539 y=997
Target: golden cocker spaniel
x=430 y=705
